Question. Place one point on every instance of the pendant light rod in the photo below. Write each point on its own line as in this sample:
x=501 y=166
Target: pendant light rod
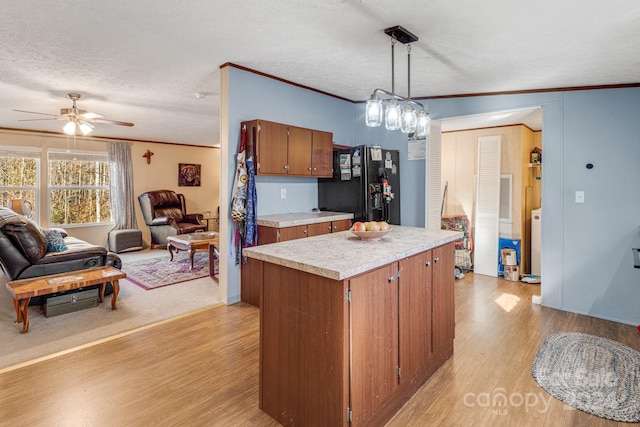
x=409 y=71
x=393 y=65
x=396 y=96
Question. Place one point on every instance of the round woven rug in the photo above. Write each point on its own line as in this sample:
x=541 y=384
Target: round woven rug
x=593 y=374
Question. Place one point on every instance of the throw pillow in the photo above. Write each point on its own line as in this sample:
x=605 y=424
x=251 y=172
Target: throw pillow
x=28 y=237
x=55 y=241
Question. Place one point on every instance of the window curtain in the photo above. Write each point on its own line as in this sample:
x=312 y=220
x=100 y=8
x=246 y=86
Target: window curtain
x=121 y=186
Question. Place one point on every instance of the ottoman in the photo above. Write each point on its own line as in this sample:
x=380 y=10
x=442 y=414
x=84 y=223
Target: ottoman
x=125 y=240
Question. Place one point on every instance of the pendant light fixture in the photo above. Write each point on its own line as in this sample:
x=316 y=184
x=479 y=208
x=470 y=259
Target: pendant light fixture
x=384 y=104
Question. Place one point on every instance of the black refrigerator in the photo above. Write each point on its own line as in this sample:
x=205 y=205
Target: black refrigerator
x=366 y=182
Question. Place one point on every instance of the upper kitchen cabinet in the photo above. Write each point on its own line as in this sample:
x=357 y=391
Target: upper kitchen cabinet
x=290 y=150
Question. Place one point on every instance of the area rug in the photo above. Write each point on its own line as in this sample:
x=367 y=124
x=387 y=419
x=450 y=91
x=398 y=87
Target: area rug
x=156 y=272
x=593 y=374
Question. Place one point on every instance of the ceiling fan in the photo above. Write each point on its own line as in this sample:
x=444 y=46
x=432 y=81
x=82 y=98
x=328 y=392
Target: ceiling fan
x=77 y=119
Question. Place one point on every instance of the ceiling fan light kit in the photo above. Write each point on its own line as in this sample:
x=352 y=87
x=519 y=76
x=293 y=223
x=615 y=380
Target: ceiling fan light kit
x=396 y=117
x=77 y=119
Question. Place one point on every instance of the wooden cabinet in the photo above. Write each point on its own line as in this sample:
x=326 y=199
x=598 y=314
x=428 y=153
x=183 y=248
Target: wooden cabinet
x=322 y=154
x=300 y=146
x=352 y=352
x=282 y=149
x=251 y=272
x=340 y=225
x=374 y=342
x=443 y=301
x=270 y=142
x=415 y=301
x=274 y=235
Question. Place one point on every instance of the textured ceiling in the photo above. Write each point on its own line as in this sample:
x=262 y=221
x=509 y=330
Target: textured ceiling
x=143 y=62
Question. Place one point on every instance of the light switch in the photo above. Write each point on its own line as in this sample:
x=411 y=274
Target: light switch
x=579 y=196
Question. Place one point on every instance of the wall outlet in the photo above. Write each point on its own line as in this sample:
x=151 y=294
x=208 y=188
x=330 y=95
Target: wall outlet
x=283 y=193
x=579 y=196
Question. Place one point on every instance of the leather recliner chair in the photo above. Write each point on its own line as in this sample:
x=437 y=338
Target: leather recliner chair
x=165 y=214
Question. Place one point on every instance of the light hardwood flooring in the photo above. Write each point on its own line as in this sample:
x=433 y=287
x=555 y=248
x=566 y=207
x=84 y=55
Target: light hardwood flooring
x=202 y=370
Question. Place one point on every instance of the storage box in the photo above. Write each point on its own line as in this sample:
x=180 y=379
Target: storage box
x=70 y=302
x=511 y=273
x=509 y=257
x=511 y=245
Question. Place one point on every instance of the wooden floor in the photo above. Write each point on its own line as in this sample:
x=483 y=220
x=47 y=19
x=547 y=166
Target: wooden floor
x=202 y=370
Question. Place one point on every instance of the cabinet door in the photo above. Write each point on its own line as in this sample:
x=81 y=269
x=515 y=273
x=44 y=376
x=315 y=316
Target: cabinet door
x=271 y=148
x=292 y=233
x=415 y=289
x=374 y=342
x=340 y=225
x=318 y=229
x=299 y=156
x=322 y=154
x=443 y=300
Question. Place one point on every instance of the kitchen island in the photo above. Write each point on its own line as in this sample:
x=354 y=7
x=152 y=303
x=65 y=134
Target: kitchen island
x=350 y=329
x=280 y=228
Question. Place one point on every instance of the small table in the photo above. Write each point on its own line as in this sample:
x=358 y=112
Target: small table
x=24 y=289
x=191 y=242
x=210 y=218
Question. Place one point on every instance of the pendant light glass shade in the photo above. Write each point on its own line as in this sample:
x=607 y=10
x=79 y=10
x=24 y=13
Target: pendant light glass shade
x=423 y=126
x=85 y=128
x=69 y=128
x=392 y=115
x=409 y=119
x=373 y=112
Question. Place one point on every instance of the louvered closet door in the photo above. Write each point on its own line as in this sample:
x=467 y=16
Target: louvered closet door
x=487 y=206
x=433 y=175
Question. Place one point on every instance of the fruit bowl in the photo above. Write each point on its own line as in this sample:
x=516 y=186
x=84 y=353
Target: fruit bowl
x=371 y=235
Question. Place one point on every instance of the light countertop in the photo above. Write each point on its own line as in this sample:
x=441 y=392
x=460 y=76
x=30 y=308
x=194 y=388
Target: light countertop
x=343 y=255
x=301 y=218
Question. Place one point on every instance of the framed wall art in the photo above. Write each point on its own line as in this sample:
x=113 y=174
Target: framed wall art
x=188 y=175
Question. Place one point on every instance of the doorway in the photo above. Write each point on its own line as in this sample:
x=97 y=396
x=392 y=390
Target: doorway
x=460 y=173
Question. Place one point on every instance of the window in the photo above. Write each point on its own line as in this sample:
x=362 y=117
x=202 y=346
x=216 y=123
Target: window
x=19 y=176
x=78 y=188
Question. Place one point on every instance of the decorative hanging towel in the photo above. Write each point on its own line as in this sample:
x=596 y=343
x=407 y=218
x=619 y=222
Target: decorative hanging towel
x=251 y=222
x=239 y=196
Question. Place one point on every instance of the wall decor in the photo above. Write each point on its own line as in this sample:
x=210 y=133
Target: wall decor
x=188 y=175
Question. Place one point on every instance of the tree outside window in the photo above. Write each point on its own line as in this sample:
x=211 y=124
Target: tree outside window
x=78 y=188
x=19 y=177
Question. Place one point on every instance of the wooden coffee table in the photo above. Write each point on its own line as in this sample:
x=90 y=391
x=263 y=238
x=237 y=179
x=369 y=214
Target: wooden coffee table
x=24 y=289
x=191 y=242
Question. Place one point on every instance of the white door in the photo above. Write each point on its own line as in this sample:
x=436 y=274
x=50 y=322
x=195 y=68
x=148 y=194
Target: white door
x=487 y=206
x=433 y=175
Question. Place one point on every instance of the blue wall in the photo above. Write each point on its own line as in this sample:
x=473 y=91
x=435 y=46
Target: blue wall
x=587 y=258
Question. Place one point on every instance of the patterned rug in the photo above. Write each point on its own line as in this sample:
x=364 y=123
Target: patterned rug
x=157 y=272
x=593 y=374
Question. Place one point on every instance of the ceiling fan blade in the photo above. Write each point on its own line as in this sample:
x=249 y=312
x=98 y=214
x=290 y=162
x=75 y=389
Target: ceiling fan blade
x=35 y=112
x=33 y=120
x=90 y=116
x=111 y=122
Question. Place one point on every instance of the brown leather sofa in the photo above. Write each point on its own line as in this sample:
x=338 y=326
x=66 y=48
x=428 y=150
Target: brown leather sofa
x=23 y=252
x=164 y=212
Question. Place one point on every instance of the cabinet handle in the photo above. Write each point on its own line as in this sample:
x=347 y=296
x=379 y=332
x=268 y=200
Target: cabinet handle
x=392 y=279
x=427 y=264
x=315 y=169
x=309 y=168
x=286 y=167
x=305 y=231
x=436 y=259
